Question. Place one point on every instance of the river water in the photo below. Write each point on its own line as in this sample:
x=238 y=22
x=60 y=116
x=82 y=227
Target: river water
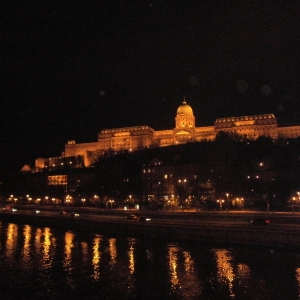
x=46 y=263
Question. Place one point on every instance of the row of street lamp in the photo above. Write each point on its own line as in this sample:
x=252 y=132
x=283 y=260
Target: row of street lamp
x=69 y=200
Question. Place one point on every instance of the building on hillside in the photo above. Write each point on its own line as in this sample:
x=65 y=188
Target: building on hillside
x=185 y=130
x=175 y=184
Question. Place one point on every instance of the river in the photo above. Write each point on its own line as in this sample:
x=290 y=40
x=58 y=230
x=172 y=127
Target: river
x=46 y=263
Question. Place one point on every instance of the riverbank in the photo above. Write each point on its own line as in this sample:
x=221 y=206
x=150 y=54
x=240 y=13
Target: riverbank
x=266 y=236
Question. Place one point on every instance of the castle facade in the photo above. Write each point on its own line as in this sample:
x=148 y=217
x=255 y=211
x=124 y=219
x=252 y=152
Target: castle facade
x=185 y=130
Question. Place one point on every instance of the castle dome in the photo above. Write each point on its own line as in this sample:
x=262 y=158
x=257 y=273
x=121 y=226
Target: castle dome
x=184 y=109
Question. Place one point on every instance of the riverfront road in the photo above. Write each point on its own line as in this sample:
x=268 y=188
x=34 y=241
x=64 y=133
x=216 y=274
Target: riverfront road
x=232 y=220
x=228 y=228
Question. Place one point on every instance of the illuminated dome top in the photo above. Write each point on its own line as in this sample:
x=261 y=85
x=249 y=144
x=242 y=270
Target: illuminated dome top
x=184 y=109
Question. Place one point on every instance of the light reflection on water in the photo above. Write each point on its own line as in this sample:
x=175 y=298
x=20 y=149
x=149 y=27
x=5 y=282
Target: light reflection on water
x=11 y=241
x=225 y=272
x=96 y=258
x=43 y=263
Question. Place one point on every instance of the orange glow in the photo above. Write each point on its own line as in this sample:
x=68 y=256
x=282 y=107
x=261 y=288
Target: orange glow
x=96 y=258
x=131 y=256
x=225 y=273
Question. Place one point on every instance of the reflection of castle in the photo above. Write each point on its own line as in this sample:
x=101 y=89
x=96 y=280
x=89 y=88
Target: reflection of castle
x=139 y=137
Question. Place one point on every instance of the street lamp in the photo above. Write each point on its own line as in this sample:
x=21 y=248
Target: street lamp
x=227 y=195
x=83 y=200
x=220 y=203
x=96 y=197
x=53 y=199
x=172 y=202
x=111 y=203
x=68 y=199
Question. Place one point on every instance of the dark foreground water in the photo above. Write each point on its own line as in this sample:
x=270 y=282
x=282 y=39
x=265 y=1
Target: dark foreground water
x=45 y=263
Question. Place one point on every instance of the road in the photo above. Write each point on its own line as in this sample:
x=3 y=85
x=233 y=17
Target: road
x=158 y=219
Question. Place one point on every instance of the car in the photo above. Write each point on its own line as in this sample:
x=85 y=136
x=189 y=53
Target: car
x=138 y=218
x=7 y=208
x=132 y=217
x=63 y=213
x=143 y=219
x=74 y=214
x=260 y=221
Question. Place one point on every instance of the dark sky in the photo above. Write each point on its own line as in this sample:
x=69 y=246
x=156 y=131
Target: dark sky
x=71 y=70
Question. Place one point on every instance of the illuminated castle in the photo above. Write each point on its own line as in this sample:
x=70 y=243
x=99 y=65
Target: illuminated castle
x=185 y=130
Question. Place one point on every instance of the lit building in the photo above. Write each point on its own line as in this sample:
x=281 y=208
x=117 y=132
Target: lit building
x=185 y=130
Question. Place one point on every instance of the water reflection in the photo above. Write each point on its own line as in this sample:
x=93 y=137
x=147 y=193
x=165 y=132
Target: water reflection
x=113 y=251
x=130 y=254
x=46 y=247
x=43 y=259
x=183 y=274
x=11 y=241
x=67 y=261
x=173 y=267
x=96 y=258
x=27 y=245
x=225 y=273
x=191 y=277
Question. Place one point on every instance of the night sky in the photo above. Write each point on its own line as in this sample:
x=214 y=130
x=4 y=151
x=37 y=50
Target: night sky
x=71 y=70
